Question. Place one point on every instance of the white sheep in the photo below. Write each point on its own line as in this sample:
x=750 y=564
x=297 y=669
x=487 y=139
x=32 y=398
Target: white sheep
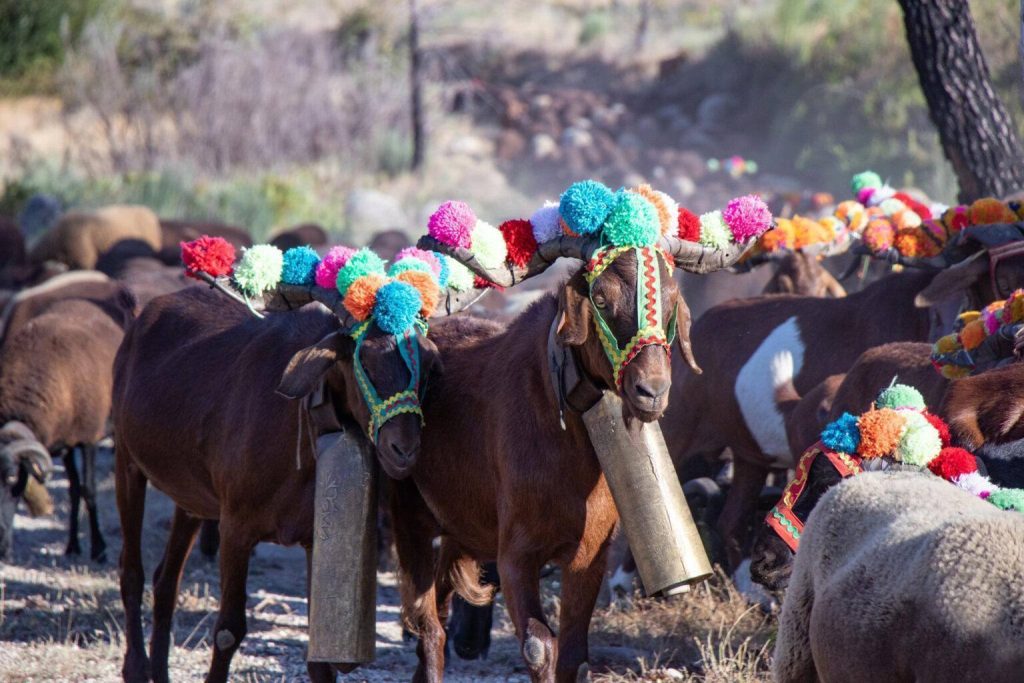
x=903 y=577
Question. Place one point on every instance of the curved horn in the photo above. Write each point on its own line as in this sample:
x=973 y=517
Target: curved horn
x=290 y=297
x=508 y=275
x=26 y=447
x=452 y=301
x=695 y=258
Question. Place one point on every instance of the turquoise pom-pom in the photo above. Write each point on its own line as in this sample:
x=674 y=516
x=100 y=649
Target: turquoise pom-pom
x=633 y=221
x=585 y=206
x=398 y=304
x=442 y=277
x=1008 y=499
x=865 y=179
x=900 y=396
x=363 y=262
x=409 y=263
x=842 y=434
x=259 y=269
x=299 y=266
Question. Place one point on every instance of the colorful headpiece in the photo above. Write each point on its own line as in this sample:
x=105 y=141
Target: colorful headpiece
x=898 y=428
x=960 y=353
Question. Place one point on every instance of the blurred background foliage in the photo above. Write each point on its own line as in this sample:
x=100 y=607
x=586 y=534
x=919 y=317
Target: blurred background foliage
x=265 y=112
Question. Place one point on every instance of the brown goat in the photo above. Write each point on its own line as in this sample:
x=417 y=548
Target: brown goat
x=55 y=379
x=987 y=407
x=173 y=232
x=305 y=234
x=223 y=445
x=531 y=490
x=80 y=238
x=28 y=303
x=801 y=273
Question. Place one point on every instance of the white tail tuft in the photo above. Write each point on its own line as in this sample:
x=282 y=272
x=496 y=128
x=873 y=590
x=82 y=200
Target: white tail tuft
x=781 y=369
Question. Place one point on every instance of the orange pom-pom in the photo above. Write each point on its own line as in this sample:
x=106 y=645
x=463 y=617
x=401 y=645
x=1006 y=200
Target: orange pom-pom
x=973 y=334
x=914 y=243
x=880 y=432
x=988 y=210
x=566 y=230
x=426 y=285
x=362 y=295
x=666 y=217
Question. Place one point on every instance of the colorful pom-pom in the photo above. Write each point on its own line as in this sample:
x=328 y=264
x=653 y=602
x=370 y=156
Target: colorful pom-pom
x=672 y=208
x=919 y=442
x=952 y=463
x=211 y=255
x=666 y=213
x=880 y=432
x=633 y=221
x=865 y=179
x=409 y=263
x=299 y=267
x=259 y=269
x=973 y=334
x=460 y=278
x=427 y=287
x=452 y=224
x=900 y=396
x=445 y=271
x=1008 y=499
x=988 y=210
x=1013 y=309
x=842 y=434
x=865 y=194
x=585 y=206
x=852 y=213
x=363 y=262
x=976 y=483
x=519 y=241
x=362 y=295
x=488 y=245
x=398 y=304
x=333 y=261
x=955 y=219
x=940 y=426
x=713 y=230
x=747 y=216
x=428 y=257
x=545 y=223
x=688 y=225
x=879 y=235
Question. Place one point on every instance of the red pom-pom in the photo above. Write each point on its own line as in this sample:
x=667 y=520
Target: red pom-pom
x=689 y=225
x=481 y=283
x=917 y=207
x=951 y=462
x=519 y=240
x=211 y=255
x=940 y=426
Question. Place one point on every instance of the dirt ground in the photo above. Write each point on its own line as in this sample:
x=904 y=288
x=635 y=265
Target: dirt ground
x=61 y=618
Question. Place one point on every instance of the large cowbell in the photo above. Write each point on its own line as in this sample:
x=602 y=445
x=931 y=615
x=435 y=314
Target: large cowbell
x=665 y=542
x=343 y=581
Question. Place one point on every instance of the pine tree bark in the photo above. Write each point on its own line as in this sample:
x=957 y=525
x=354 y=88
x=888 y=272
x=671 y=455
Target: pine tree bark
x=415 y=87
x=977 y=134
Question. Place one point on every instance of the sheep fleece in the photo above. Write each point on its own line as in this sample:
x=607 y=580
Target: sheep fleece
x=903 y=577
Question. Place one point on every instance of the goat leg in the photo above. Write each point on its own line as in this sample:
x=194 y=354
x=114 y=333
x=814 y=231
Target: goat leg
x=166 y=580
x=97 y=545
x=74 y=497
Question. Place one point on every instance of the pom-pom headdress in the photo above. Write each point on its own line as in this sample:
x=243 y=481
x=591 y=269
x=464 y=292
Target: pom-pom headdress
x=211 y=255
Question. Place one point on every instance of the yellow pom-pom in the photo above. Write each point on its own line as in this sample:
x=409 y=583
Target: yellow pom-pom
x=988 y=210
x=947 y=344
x=973 y=334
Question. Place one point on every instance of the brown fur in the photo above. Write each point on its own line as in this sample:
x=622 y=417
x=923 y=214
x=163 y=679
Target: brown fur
x=987 y=408
x=530 y=492
x=197 y=413
x=28 y=303
x=55 y=377
x=175 y=231
x=306 y=234
x=800 y=273
x=80 y=238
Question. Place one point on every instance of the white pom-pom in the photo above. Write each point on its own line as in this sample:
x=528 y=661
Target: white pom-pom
x=488 y=245
x=545 y=223
x=673 y=213
x=975 y=482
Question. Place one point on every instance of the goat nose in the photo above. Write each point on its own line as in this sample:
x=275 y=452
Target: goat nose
x=652 y=388
x=398 y=451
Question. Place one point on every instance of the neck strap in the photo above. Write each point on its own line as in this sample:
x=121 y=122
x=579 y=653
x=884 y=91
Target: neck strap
x=405 y=401
x=650 y=318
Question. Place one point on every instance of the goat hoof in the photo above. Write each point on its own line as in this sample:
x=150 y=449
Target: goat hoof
x=533 y=652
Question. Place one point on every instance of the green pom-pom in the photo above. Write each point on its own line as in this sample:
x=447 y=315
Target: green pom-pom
x=714 y=231
x=363 y=262
x=460 y=278
x=865 y=179
x=488 y=245
x=1008 y=499
x=408 y=263
x=900 y=396
x=633 y=221
x=585 y=206
x=920 y=442
x=259 y=269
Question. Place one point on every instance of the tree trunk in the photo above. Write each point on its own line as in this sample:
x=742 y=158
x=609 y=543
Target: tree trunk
x=977 y=133
x=415 y=86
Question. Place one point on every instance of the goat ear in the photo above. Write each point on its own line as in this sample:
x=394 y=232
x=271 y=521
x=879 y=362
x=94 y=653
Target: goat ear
x=953 y=281
x=307 y=367
x=574 y=312
x=683 y=334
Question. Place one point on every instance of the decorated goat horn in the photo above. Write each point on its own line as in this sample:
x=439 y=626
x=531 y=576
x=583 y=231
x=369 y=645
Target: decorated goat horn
x=695 y=258
x=289 y=297
x=453 y=301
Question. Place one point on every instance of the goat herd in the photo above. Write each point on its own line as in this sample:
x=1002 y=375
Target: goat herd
x=216 y=372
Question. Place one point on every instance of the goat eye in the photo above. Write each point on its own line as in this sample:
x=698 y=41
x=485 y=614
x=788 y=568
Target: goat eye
x=599 y=301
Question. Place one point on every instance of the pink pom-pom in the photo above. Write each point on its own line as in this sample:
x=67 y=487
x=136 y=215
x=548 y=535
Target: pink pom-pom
x=423 y=255
x=864 y=196
x=747 y=217
x=334 y=260
x=452 y=224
